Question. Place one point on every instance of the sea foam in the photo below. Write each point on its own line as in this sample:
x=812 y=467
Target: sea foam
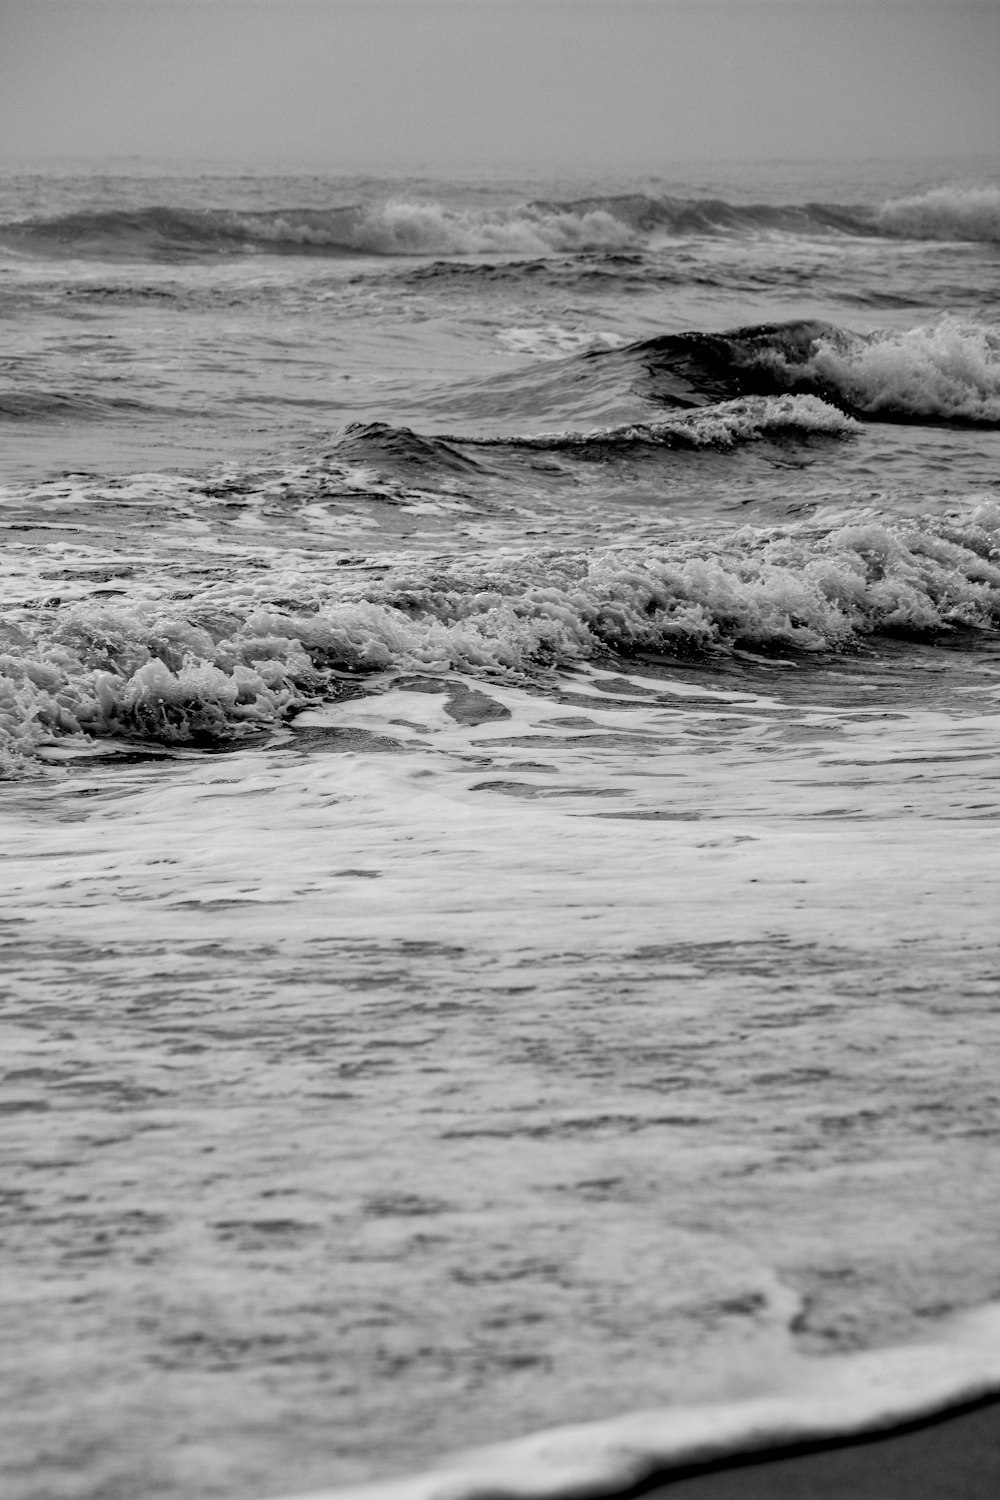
x=949 y=369
x=244 y=653
x=724 y=425
x=943 y=213
x=855 y=1395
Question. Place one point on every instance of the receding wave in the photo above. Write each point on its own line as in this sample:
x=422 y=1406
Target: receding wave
x=868 y=1394
x=614 y=223
x=245 y=653
x=945 y=371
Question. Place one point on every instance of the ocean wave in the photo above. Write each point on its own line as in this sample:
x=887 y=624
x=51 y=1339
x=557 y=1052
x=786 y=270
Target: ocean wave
x=953 y=212
x=595 y=269
x=246 y=653
x=949 y=370
x=612 y=223
x=387 y=229
x=724 y=426
x=944 y=213
x=42 y=406
x=945 y=371
x=674 y=216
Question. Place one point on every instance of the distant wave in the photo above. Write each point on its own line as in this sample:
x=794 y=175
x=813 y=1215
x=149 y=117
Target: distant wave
x=396 y=228
x=945 y=371
x=541 y=228
x=393 y=448
x=42 y=406
x=945 y=213
x=243 y=655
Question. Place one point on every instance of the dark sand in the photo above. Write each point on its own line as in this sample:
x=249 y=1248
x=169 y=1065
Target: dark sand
x=956 y=1457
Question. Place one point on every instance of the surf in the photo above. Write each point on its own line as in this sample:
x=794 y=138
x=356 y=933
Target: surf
x=239 y=656
x=541 y=227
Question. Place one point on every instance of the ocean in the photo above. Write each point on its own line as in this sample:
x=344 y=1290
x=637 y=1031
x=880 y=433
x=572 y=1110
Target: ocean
x=499 y=745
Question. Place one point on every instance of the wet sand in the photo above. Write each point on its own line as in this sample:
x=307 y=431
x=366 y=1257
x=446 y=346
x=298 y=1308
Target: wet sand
x=955 y=1457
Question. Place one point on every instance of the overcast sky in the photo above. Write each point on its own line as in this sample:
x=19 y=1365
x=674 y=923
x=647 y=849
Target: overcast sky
x=443 y=82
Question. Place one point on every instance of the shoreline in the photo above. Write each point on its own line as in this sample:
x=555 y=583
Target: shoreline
x=953 y=1455
x=918 y=1422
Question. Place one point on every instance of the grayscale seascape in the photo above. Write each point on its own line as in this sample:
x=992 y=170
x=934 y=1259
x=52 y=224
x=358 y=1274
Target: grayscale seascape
x=499 y=687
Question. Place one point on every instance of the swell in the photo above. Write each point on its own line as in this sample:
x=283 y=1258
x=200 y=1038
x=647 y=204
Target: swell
x=249 y=651
x=953 y=212
x=50 y=406
x=539 y=228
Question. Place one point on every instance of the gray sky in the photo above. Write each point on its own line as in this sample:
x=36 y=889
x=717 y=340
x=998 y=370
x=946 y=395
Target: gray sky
x=442 y=82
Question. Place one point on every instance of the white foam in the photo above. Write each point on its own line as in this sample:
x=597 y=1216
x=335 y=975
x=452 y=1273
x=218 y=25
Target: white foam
x=402 y=227
x=235 y=655
x=850 y=1396
x=723 y=425
x=954 y=212
x=698 y=1265
x=947 y=369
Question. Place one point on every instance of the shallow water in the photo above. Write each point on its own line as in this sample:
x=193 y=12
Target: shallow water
x=499 y=921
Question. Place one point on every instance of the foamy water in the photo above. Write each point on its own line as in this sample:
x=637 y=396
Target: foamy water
x=499 y=742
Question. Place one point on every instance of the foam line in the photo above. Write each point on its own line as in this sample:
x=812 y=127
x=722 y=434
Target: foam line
x=841 y=1398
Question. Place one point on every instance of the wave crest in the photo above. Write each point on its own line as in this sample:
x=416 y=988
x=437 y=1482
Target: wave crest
x=396 y=228
x=724 y=426
x=944 y=213
x=950 y=370
x=541 y=228
x=241 y=657
x=944 y=371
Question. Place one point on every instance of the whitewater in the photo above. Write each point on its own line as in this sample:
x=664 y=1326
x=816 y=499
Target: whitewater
x=498 y=785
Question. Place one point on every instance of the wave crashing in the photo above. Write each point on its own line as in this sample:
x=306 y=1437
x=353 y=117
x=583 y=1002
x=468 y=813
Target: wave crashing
x=244 y=654
x=724 y=426
x=541 y=228
x=944 y=213
x=390 y=229
x=945 y=371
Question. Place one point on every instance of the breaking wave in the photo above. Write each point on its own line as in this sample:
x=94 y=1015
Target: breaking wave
x=395 y=228
x=945 y=371
x=541 y=228
x=723 y=426
x=246 y=653
x=944 y=213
